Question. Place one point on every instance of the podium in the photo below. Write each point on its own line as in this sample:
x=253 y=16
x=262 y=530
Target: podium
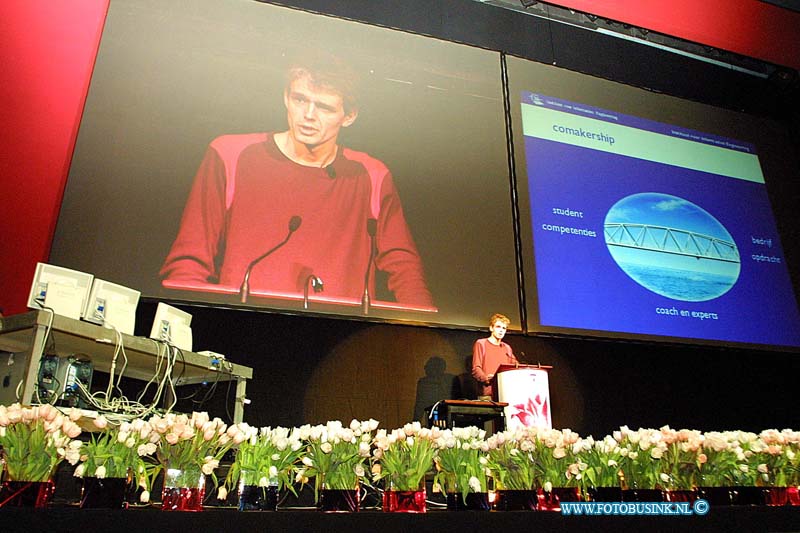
x=526 y=391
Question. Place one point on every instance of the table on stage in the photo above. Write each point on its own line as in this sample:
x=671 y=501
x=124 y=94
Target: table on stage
x=462 y=413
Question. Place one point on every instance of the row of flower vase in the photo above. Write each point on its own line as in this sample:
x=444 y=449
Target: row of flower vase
x=540 y=500
x=183 y=491
x=112 y=494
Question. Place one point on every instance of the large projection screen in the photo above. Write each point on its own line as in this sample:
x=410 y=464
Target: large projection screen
x=173 y=77
x=646 y=216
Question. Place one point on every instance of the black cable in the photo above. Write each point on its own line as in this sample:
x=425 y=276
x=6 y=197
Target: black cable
x=211 y=390
x=178 y=351
x=208 y=393
x=227 y=395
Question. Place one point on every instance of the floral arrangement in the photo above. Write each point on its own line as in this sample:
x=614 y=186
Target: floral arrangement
x=557 y=455
x=773 y=455
x=334 y=454
x=603 y=458
x=35 y=440
x=120 y=451
x=680 y=461
x=642 y=451
x=461 y=461
x=723 y=459
x=532 y=458
x=192 y=445
x=510 y=460
x=792 y=452
x=403 y=456
x=266 y=457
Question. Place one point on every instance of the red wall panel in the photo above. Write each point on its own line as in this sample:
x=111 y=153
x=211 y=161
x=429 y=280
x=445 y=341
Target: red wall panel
x=48 y=48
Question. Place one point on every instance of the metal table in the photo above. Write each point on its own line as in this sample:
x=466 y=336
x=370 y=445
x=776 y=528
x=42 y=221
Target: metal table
x=30 y=336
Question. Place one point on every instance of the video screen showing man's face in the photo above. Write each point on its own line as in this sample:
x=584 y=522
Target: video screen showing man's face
x=315 y=114
x=187 y=125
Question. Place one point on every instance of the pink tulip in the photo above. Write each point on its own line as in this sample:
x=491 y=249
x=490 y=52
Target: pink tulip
x=101 y=422
x=48 y=412
x=71 y=429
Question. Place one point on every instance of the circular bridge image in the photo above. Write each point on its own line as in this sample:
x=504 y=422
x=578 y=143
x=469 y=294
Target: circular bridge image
x=672 y=247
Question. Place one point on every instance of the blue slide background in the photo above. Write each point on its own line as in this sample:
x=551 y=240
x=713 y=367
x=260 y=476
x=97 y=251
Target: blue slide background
x=580 y=285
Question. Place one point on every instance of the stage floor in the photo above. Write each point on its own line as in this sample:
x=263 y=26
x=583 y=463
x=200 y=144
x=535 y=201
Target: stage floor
x=72 y=519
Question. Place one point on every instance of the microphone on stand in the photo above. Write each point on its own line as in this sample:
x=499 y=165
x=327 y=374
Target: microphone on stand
x=244 y=290
x=372 y=230
x=316 y=284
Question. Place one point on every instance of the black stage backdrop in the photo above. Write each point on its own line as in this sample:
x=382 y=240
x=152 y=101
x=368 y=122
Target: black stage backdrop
x=310 y=370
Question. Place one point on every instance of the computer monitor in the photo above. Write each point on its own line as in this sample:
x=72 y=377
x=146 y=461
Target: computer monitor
x=63 y=290
x=112 y=305
x=171 y=325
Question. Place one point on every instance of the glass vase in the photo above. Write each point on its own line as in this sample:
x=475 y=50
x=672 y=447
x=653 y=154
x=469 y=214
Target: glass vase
x=471 y=501
x=642 y=495
x=516 y=500
x=747 y=495
x=551 y=500
x=775 y=496
x=257 y=493
x=456 y=501
x=338 y=500
x=104 y=493
x=184 y=489
x=36 y=494
x=680 y=495
x=604 y=494
x=396 y=500
x=478 y=501
x=793 y=495
x=717 y=496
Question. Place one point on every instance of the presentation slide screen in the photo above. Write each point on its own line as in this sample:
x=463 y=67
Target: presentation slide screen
x=649 y=228
x=246 y=154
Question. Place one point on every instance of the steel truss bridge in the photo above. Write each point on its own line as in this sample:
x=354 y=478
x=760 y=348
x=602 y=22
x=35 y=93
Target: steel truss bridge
x=670 y=241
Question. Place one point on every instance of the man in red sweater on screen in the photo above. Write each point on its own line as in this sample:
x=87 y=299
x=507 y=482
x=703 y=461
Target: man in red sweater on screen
x=488 y=354
x=253 y=190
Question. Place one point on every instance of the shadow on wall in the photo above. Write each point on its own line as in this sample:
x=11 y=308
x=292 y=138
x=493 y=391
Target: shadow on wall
x=376 y=373
x=389 y=374
x=435 y=385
